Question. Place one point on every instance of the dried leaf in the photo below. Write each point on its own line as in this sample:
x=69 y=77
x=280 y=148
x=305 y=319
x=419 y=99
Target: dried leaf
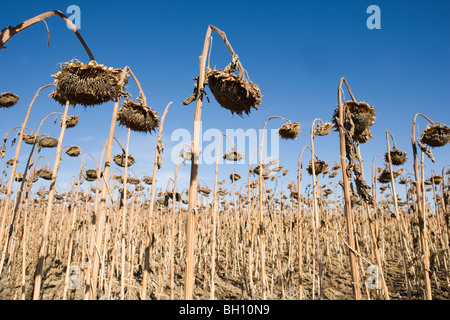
x=425 y=150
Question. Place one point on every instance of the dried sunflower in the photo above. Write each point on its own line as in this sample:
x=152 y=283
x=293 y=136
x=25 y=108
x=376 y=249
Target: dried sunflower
x=333 y=174
x=18 y=176
x=397 y=157
x=234 y=92
x=73 y=151
x=437 y=179
x=122 y=159
x=147 y=180
x=44 y=173
x=8 y=99
x=265 y=172
x=58 y=197
x=134 y=181
x=92 y=175
x=170 y=194
x=385 y=176
x=289 y=131
x=71 y=121
x=319 y=167
x=87 y=84
x=204 y=191
x=234 y=176
x=29 y=138
x=361 y=117
x=233 y=155
x=323 y=129
x=137 y=117
x=436 y=136
x=48 y=142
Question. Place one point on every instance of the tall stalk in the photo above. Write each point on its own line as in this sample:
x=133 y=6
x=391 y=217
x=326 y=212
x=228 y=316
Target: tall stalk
x=214 y=226
x=15 y=162
x=105 y=189
x=347 y=193
x=300 y=220
x=72 y=227
x=150 y=214
x=18 y=199
x=316 y=213
x=421 y=213
x=124 y=215
x=44 y=241
x=398 y=216
x=192 y=204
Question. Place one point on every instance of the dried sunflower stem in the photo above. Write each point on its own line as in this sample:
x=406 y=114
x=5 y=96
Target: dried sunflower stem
x=44 y=241
x=299 y=227
x=72 y=229
x=11 y=31
x=373 y=229
x=421 y=212
x=318 y=254
x=172 y=231
x=230 y=49
x=14 y=167
x=192 y=204
x=150 y=214
x=124 y=214
x=347 y=201
x=214 y=226
x=261 y=227
x=101 y=210
x=399 y=218
x=138 y=84
x=20 y=192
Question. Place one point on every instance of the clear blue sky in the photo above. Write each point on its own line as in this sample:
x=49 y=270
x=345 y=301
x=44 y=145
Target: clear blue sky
x=296 y=51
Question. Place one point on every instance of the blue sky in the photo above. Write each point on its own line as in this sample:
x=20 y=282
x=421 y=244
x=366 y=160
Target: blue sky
x=296 y=51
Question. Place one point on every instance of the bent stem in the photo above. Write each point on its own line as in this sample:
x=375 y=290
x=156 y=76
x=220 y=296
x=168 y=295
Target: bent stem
x=11 y=31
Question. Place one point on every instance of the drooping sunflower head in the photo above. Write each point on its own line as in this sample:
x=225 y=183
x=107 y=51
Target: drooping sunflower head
x=289 y=131
x=8 y=99
x=87 y=84
x=436 y=136
x=233 y=92
x=137 y=117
